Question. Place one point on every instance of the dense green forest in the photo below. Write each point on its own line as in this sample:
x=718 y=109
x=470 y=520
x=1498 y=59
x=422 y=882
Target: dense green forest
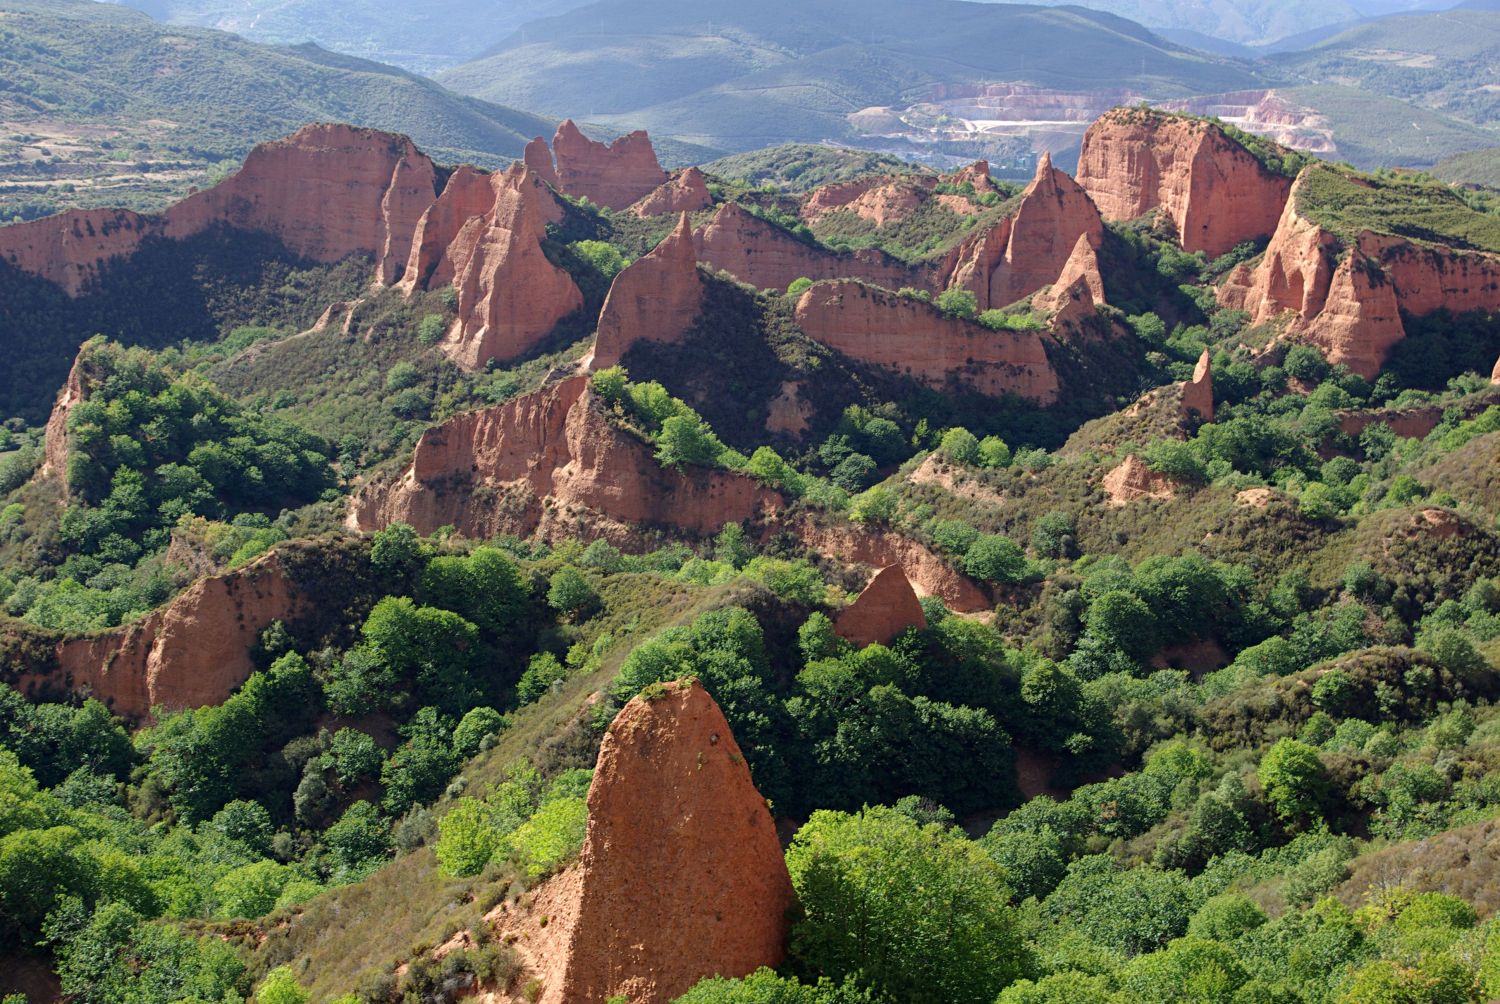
x=1236 y=743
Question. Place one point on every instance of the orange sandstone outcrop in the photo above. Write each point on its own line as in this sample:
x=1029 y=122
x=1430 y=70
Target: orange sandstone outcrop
x=1349 y=300
x=928 y=573
x=1215 y=192
x=538 y=157
x=551 y=464
x=1029 y=249
x=326 y=191
x=1080 y=287
x=615 y=176
x=1133 y=480
x=1408 y=423
x=68 y=249
x=468 y=193
x=681 y=876
x=1198 y=393
x=879 y=200
x=684 y=192
x=509 y=295
x=883 y=609
x=913 y=337
x=767 y=257
x=192 y=652
x=656 y=298
x=55 y=448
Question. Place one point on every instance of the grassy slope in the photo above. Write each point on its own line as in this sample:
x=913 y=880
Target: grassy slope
x=740 y=76
x=1413 y=208
x=100 y=89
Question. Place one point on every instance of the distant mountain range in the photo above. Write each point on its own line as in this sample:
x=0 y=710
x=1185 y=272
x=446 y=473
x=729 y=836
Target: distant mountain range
x=128 y=110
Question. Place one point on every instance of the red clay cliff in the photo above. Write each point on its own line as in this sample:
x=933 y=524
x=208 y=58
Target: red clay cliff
x=1215 y=192
x=656 y=298
x=615 y=175
x=884 y=608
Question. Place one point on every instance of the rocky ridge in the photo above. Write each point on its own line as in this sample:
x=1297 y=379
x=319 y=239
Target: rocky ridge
x=656 y=298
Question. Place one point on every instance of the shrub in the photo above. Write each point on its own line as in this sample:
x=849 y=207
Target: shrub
x=552 y=836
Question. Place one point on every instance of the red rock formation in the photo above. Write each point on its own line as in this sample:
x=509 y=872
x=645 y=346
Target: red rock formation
x=614 y=176
x=1198 y=393
x=1349 y=301
x=1079 y=289
x=978 y=175
x=509 y=295
x=1408 y=423
x=467 y=194
x=656 y=299
x=1495 y=373
x=1133 y=480
x=192 y=652
x=551 y=464
x=928 y=573
x=767 y=257
x=880 y=200
x=1215 y=192
x=883 y=609
x=788 y=413
x=681 y=874
x=913 y=337
x=55 y=450
x=1030 y=248
x=685 y=192
x=539 y=158
x=326 y=191
x=69 y=248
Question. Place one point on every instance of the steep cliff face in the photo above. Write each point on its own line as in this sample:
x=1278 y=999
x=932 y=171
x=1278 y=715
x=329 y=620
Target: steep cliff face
x=681 y=874
x=655 y=299
x=509 y=295
x=1028 y=249
x=1348 y=300
x=685 y=192
x=468 y=193
x=193 y=652
x=615 y=176
x=884 y=608
x=551 y=464
x=913 y=337
x=538 y=157
x=69 y=248
x=326 y=191
x=1215 y=192
x=754 y=251
x=882 y=201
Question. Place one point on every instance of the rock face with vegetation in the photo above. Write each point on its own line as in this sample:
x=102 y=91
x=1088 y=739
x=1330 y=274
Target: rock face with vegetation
x=326 y=192
x=681 y=874
x=884 y=608
x=768 y=257
x=685 y=192
x=655 y=298
x=913 y=337
x=469 y=193
x=613 y=175
x=1080 y=286
x=1028 y=249
x=1216 y=193
x=193 y=652
x=550 y=463
x=510 y=295
x=1344 y=287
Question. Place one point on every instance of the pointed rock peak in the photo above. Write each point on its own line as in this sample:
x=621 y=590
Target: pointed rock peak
x=884 y=608
x=538 y=157
x=1044 y=165
x=567 y=129
x=1198 y=393
x=674 y=817
x=683 y=234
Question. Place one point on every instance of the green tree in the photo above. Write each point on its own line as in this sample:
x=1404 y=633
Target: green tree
x=251 y=890
x=359 y=836
x=915 y=913
x=686 y=440
x=1294 y=779
x=551 y=836
x=570 y=594
x=960 y=303
x=1122 y=621
x=474 y=728
x=994 y=452
x=960 y=446
x=280 y=987
x=994 y=557
x=468 y=837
